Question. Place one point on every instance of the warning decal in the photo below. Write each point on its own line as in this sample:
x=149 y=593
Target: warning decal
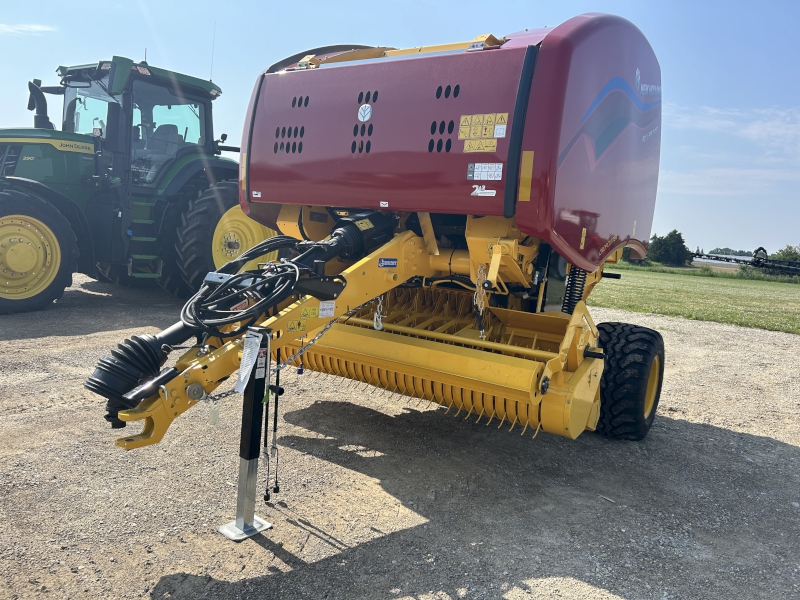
x=298 y=325
x=480 y=132
x=309 y=312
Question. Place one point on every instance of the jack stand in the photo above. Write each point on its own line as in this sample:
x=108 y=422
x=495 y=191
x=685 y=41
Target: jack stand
x=247 y=524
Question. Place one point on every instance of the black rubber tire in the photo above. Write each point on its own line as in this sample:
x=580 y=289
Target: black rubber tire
x=171 y=279
x=15 y=202
x=197 y=230
x=629 y=351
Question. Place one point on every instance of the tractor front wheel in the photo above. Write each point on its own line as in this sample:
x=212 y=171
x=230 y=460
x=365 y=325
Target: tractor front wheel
x=631 y=384
x=214 y=231
x=38 y=253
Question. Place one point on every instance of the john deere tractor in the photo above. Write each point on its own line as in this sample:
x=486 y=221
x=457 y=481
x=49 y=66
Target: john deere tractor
x=131 y=188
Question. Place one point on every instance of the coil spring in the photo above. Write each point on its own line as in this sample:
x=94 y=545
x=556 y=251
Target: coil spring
x=573 y=290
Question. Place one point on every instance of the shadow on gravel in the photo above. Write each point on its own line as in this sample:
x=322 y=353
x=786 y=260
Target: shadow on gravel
x=692 y=511
x=93 y=306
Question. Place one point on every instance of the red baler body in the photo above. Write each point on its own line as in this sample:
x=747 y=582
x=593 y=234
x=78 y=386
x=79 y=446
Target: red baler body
x=583 y=98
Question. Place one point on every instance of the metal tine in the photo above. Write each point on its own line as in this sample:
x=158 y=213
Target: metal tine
x=479 y=416
x=492 y=417
x=538 y=427
x=514 y=423
x=501 y=422
x=526 y=428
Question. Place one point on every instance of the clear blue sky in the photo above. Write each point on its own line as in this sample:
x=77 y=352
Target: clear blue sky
x=730 y=163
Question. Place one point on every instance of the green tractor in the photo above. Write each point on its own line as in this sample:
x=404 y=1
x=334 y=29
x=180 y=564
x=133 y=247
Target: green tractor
x=131 y=189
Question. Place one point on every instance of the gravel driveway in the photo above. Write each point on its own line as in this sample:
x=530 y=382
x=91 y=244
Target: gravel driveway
x=381 y=498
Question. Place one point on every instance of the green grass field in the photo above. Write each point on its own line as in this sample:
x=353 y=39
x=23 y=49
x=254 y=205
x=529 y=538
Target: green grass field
x=751 y=303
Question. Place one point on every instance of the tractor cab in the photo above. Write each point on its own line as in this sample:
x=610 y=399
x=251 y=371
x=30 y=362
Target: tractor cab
x=122 y=185
x=151 y=116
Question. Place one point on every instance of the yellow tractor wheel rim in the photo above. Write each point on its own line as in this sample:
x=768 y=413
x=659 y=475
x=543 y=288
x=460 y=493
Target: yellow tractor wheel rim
x=236 y=233
x=30 y=257
x=652 y=387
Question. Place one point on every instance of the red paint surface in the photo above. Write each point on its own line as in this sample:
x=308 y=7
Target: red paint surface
x=605 y=181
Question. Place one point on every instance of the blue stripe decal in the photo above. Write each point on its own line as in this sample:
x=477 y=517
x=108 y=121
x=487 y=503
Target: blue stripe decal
x=618 y=83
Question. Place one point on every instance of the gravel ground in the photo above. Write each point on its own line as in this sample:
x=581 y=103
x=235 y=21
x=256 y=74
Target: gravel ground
x=381 y=498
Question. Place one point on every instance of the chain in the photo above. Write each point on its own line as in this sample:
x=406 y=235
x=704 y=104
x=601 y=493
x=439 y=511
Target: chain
x=303 y=349
x=317 y=337
x=479 y=299
x=218 y=397
x=377 y=320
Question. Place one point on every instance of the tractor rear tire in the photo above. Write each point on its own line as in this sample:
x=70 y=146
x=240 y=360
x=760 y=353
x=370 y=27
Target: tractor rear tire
x=213 y=231
x=632 y=376
x=171 y=279
x=35 y=238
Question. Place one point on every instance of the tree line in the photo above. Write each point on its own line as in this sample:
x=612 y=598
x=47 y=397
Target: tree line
x=671 y=250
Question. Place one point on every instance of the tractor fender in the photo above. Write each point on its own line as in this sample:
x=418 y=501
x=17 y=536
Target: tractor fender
x=215 y=168
x=71 y=211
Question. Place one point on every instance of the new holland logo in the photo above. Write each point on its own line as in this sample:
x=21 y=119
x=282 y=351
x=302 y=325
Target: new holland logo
x=646 y=89
x=480 y=190
x=364 y=113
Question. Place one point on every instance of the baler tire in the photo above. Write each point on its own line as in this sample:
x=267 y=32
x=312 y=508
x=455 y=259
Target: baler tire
x=630 y=387
x=196 y=230
x=15 y=202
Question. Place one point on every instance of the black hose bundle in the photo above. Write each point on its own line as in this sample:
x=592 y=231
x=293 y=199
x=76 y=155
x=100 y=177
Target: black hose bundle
x=244 y=296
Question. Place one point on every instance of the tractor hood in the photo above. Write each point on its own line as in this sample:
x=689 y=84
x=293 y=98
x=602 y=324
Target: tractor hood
x=61 y=140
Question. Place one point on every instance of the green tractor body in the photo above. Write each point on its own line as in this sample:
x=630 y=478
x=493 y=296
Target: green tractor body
x=129 y=186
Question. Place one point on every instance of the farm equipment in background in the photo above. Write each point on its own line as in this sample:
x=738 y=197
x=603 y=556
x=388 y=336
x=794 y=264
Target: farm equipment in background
x=760 y=260
x=132 y=188
x=427 y=196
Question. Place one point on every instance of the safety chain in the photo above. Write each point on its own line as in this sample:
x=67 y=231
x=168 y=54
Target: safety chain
x=479 y=299
x=377 y=320
x=317 y=337
x=303 y=349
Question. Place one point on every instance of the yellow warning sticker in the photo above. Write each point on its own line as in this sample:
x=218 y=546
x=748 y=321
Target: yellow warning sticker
x=309 y=312
x=298 y=325
x=364 y=224
x=484 y=128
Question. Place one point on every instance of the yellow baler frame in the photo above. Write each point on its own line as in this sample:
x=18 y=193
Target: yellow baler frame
x=529 y=369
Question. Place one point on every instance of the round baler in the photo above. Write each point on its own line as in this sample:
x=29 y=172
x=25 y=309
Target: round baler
x=447 y=210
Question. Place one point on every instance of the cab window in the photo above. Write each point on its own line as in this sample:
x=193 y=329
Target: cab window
x=163 y=125
x=86 y=107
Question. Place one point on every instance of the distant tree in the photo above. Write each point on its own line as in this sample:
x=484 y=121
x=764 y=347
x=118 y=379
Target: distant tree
x=787 y=253
x=669 y=249
x=731 y=252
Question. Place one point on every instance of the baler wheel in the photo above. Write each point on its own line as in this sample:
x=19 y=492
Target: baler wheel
x=38 y=253
x=213 y=231
x=631 y=384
